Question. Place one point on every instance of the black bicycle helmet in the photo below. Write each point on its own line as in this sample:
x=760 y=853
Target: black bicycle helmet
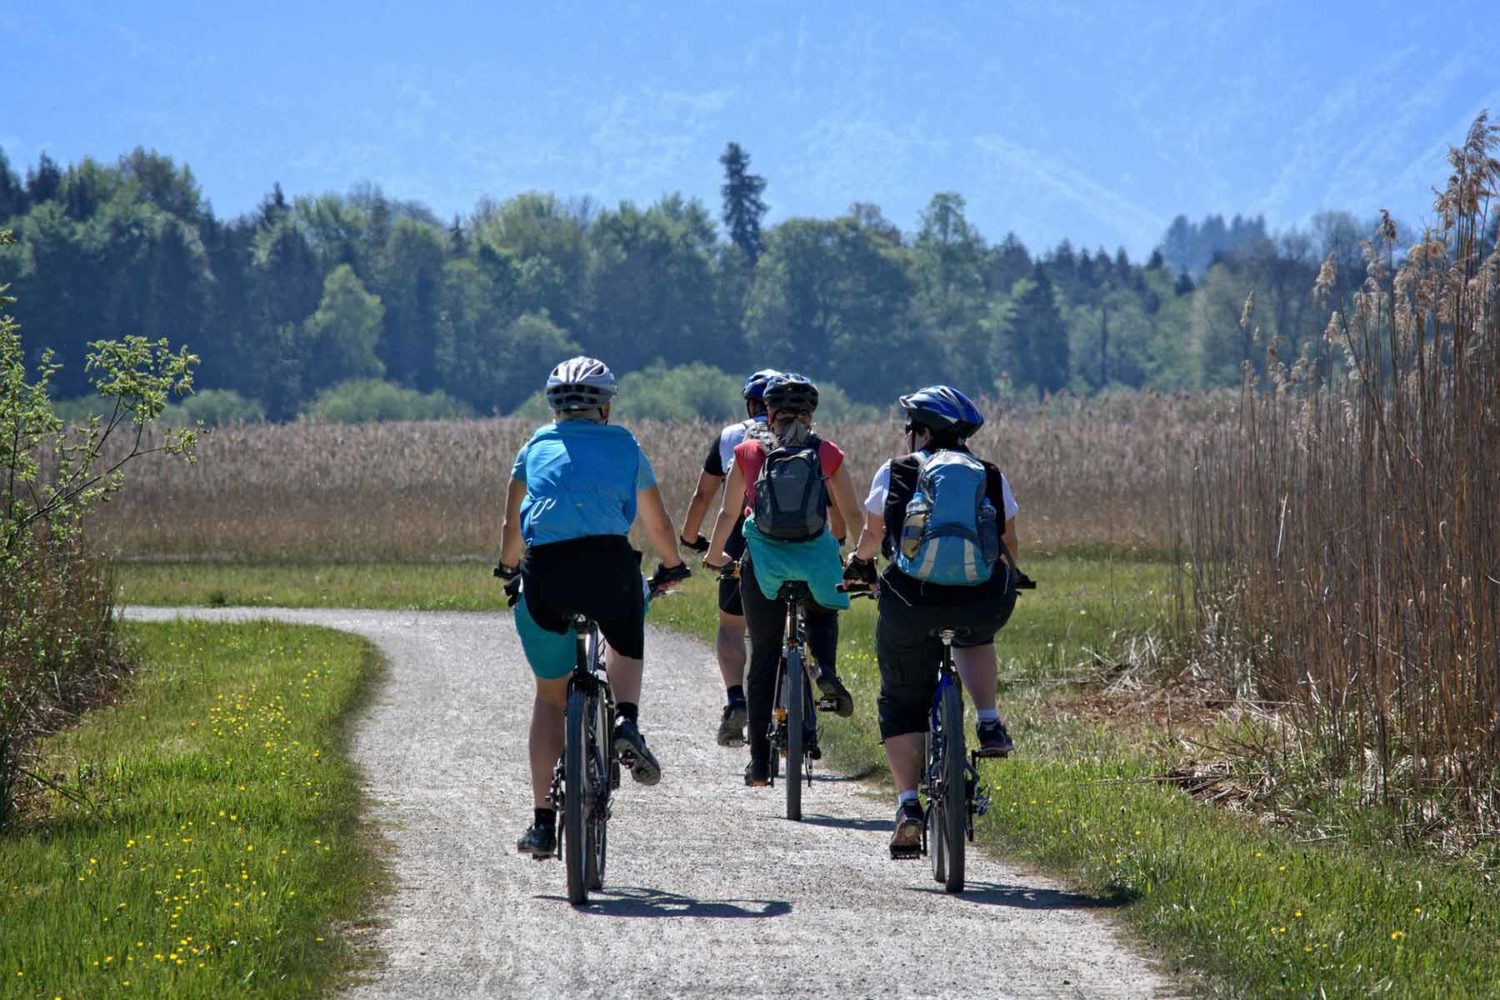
x=789 y=392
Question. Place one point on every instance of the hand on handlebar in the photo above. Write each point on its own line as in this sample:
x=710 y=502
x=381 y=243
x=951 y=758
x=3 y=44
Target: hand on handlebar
x=512 y=591
x=1024 y=582
x=665 y=576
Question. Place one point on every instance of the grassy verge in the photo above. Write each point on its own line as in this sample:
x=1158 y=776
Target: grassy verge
x=1246 y=902
x=210 y=845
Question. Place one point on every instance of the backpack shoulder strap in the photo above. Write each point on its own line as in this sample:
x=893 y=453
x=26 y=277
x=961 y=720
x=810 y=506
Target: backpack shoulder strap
x=905 y=472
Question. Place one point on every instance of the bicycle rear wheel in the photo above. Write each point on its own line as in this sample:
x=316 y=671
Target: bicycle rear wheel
x=575 y=832
x=935 y=811
x=794 y=684
x=955 y=789
x=600 y=756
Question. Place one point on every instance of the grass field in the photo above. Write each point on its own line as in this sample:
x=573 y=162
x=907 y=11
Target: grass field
x=1249 y=903
x=210 y=844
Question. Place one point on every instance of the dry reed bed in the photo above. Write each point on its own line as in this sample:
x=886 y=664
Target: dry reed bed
x=1086 y=473
x=1346 y=534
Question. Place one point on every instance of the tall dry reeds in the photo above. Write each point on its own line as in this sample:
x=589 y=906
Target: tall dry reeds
x=1345 y=528
x=1086 y=473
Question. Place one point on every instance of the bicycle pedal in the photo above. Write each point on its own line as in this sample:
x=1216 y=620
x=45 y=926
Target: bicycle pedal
x=912 y=853
x=990 y=754
x=828 y=703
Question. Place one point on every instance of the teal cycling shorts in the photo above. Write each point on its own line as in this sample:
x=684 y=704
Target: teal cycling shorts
x=550 y=654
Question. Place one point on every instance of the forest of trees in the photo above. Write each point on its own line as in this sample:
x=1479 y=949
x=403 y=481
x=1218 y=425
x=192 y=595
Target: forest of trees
x=330 y=304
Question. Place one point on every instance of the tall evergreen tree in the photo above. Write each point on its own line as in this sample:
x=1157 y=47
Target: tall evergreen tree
x=743 y=207
x=12 y=194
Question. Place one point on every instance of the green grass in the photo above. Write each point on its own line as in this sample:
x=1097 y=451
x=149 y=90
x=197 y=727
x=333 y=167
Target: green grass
x=217 y=848
x=1243 y=901
x=421 y=586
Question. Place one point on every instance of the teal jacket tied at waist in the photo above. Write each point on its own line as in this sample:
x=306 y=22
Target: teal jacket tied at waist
x=816 y=561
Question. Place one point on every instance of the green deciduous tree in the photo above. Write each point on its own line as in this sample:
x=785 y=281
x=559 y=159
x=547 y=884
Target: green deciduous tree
x=345 y=331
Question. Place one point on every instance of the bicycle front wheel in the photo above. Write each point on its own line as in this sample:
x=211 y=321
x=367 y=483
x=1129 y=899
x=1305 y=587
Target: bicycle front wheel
x=575 y=808
x=955 y=790
x=794 y=683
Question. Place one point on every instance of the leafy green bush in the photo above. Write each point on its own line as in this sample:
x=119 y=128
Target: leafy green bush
x=57 y=635
x=214 y=408
x=686 y=393
x=365 y=399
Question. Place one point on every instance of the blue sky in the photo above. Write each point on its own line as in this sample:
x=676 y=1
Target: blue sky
x=1096 y=121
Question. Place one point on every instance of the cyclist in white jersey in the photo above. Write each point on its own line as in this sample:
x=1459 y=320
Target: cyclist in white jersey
x=730 y=644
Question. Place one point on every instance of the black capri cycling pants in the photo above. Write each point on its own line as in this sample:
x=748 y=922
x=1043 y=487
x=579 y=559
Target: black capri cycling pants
x=908 y=652
x=598 y=576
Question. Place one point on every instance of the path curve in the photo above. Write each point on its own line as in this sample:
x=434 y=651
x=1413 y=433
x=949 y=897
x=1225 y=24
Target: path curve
x=710 y=892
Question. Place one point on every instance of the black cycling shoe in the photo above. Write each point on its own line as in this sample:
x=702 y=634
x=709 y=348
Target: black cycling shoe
x=732 y=726
x=758 y=773
x=539 y=841
x=810 y=745
x=906 y=837
x=634 y=754
x=835 y=695
x=994 y=741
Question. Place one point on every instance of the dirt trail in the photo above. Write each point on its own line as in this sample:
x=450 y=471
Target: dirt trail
x=710 y=893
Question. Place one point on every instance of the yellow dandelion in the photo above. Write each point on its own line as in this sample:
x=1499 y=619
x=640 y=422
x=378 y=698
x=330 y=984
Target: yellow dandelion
x=1397 y=935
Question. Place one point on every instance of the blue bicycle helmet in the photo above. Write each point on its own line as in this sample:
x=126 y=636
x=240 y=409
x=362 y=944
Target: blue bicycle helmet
x=942 y=408
x=790 y=392
x=755 y=385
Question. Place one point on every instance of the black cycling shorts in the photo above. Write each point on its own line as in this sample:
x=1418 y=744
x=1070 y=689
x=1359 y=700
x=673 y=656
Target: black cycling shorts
x=598 y=576
x=729 y=596
x=908 y=652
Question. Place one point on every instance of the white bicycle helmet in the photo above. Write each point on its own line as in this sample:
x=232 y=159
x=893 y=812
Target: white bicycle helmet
x=580 y=383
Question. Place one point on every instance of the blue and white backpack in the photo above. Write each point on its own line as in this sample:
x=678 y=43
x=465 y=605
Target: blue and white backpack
x=950 y=535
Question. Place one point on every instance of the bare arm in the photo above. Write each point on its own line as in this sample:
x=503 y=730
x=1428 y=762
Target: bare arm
x=512 y=548
x=734 y=495
x=708 y=488
x=871 y=536
x=1009 y=538
x=841 y=490
x=652 y=513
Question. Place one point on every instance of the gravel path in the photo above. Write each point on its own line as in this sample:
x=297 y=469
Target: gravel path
x=710 y=893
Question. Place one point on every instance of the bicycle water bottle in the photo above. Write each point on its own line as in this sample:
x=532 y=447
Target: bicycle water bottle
x=915 y=525
x=989 y=531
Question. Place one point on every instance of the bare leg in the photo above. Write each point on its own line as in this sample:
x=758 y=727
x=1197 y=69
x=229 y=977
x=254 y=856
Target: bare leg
x=976 y=666
x=904 y=754
x=624 y=676
x=546 y=738
x=730 y=646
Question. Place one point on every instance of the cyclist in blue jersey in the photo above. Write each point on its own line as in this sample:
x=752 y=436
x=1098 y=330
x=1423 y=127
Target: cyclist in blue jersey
x=730 y=641
x=575 y=490
x=939 y=422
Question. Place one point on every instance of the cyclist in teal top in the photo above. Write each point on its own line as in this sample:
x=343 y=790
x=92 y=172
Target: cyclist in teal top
x=575 y=490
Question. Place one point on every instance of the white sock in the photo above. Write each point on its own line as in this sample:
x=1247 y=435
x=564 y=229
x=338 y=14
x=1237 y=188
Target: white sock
x=988 y=714
x=909 y=795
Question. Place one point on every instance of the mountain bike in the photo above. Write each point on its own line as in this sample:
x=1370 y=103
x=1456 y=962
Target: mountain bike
x=795 y=710
x=588 y=772
x=950 y=777
x=589 y=769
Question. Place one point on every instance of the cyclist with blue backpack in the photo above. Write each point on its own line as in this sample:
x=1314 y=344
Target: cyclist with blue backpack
x=575 y=490
x=730 y=641
x=945 y=520
x=783 y=486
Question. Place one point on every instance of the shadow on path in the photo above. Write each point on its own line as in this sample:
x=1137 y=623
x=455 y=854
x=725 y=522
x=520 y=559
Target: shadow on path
x=1028 y=897
x=628 y=901
x=847 y=822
